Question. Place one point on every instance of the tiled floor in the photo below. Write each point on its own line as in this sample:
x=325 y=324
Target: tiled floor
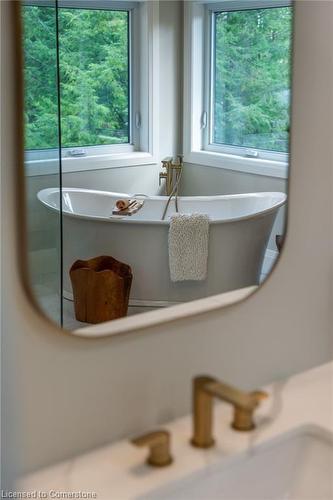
x=49 y=301
x=70 y=323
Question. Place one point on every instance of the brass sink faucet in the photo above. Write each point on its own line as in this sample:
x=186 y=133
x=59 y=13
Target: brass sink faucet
x=204 y=390
x=171 y=170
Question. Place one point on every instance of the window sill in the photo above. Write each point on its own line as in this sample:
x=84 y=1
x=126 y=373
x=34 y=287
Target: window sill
x=98 y=162
x=255 y=166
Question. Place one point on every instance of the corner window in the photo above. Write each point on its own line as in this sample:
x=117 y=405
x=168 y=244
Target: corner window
x=95 y=61
x=250 y=79
x=245 y=80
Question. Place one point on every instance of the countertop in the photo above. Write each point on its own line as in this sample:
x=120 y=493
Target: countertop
x=118 y=471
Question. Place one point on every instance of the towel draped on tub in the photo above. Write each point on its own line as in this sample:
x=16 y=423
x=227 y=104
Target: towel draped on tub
x=188 y=246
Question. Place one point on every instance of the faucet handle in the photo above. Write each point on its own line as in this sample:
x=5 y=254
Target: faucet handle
x=166 y=162
x=158 y=443
x=167 y=159
x=243 y=416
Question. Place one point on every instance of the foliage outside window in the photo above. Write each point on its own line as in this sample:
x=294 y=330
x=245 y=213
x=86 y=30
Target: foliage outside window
x=250 y=85
x=94 y=77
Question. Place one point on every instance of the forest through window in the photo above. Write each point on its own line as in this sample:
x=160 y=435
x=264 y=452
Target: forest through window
x=251 y=78
x=250 y=84
x=94 y=71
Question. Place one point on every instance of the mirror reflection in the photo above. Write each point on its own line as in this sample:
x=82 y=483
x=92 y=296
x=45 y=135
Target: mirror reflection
x=156 y=151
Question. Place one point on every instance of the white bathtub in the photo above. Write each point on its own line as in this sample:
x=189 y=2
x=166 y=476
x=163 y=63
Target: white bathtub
x=239 y=232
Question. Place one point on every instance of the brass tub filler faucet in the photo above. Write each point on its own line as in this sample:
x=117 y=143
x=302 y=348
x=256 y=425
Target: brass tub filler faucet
x=205 y=389
x=171 y=173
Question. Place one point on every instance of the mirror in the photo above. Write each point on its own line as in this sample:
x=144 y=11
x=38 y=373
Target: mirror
x=156 y=151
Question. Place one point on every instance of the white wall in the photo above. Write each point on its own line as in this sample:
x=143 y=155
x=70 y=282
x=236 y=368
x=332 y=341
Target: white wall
x=74 y=394
x=205 y=181
x=171 y=74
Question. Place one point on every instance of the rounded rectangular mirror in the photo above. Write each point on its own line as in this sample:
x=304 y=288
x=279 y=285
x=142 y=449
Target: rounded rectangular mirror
x=156 y=151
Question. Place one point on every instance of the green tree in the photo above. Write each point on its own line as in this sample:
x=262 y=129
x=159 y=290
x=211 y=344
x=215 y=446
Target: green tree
x=93 y=55
x=94 y=76
x=40 y=74
x=252 y=78
x=251 y=87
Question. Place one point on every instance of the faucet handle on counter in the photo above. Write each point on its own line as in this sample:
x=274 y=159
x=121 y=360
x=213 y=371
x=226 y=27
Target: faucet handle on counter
x=158 y=443
x=243 y=417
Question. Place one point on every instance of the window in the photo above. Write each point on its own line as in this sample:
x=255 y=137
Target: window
x=250 y=86
x=94 y=74
x=102 y=87
x=40 y=77
x=244 y=81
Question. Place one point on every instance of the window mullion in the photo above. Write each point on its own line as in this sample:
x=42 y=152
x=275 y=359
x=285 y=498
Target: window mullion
x=206 y=117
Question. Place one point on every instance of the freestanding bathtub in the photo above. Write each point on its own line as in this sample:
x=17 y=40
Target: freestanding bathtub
x=239 y=232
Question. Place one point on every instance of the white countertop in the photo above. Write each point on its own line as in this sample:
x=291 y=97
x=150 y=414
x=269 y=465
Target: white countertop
x=118 y=471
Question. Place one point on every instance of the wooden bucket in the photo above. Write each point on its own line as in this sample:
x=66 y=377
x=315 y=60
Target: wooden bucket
x=101 y=288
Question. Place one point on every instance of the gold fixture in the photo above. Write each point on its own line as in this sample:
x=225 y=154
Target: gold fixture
x=171 y=172
x=158 y=443
x=204 y=390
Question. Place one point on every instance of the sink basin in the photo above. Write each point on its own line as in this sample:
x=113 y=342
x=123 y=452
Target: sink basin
x=295 y=466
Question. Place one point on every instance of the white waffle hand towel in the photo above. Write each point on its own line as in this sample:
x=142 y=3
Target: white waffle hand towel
x=188 y=247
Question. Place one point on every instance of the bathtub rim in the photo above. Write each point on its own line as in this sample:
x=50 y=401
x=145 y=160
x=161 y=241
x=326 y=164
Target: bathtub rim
x=129 y=220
